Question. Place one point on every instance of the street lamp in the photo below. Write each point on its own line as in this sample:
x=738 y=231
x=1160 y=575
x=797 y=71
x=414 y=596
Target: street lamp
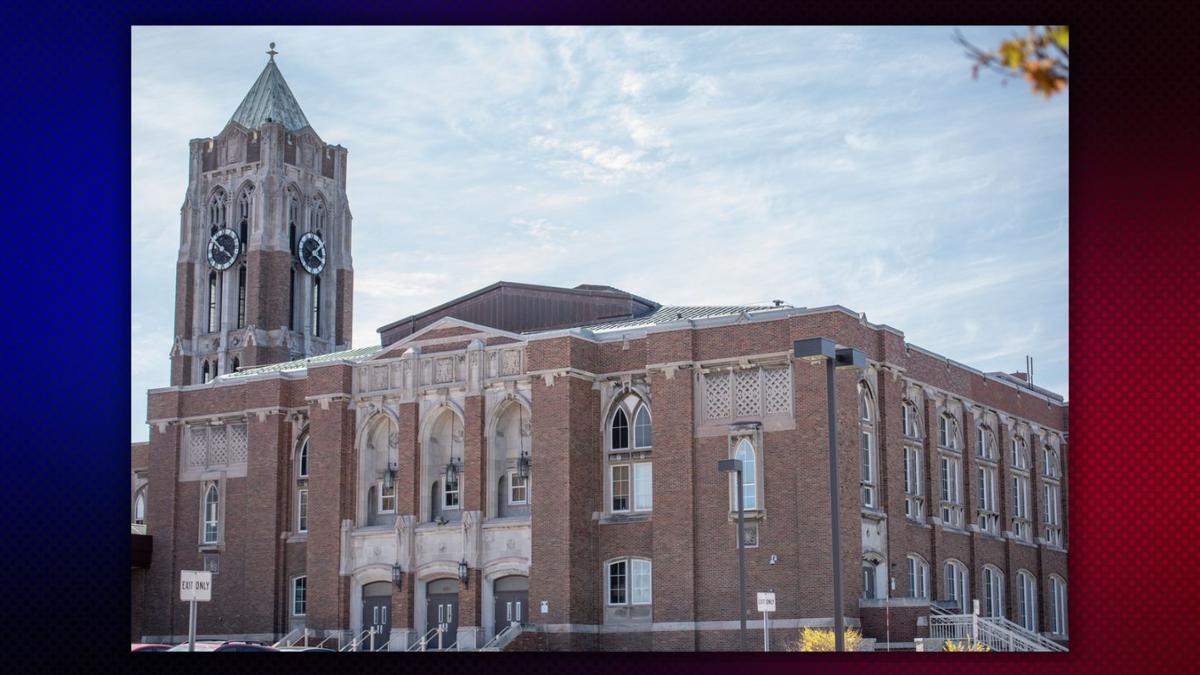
x=817 y=349
x=726 y=466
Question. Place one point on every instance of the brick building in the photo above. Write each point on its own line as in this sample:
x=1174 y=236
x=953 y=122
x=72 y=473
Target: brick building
x=548 y=456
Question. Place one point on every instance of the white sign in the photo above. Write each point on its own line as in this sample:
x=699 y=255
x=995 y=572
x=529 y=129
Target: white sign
x=195 y=586
x=766 y=602
x=545 y=607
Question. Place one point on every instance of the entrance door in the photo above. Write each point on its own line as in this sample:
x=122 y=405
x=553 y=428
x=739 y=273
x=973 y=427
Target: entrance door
x=377 y=612
x=512 y=601
x=441 y=609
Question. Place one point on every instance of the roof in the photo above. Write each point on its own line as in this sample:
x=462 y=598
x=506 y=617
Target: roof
x=671 y=314
x=302 y=364
x=270 y=100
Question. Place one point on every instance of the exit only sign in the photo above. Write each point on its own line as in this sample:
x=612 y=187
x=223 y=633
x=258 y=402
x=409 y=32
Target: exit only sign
x=195 y=586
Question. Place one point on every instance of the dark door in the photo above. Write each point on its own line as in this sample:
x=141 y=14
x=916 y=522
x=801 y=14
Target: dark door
x=512 y=601
x=377 y=612
x=441 y=608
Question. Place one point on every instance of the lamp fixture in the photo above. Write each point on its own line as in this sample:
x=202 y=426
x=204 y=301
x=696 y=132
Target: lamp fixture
x=452 y=469
x=462 y=574
x=397 y=576
x=523 y=464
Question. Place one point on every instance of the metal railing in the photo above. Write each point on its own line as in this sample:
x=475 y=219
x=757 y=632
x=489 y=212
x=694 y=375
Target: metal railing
x=431 y=640
x=286 y=640
x=998 y=633
x=366 y=637
x=510 y=632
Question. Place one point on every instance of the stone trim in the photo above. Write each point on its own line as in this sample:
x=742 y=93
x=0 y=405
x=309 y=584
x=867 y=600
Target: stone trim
x=686 y=626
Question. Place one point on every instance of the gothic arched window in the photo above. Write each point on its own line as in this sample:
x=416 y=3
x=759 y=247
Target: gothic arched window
x=204 y=373
x=244 y=216
x=745 y=452
x=317 y=223
x=212 y=514
x=869 y=463
x=293 y=216
x=139 y=507
x=630 y=471
x=216 y=211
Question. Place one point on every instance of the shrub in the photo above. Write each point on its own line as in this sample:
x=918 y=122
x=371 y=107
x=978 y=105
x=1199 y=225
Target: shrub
x=964 y=646
x=821 y=640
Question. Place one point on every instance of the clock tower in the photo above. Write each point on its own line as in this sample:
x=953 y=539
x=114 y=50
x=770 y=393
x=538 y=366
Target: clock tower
x=264 y=272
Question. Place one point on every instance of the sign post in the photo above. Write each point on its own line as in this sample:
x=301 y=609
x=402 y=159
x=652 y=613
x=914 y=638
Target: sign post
x=194 y=587
x=766 y=605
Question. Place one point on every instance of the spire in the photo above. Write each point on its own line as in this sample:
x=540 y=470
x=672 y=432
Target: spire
x=270 y=99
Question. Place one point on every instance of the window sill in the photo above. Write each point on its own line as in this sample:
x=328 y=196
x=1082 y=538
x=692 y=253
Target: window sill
x=954 y=530
x=211 y=548
x=918 y=523
x=872 y=513
x=615 y=518
x=297 y=538
x=756 y=514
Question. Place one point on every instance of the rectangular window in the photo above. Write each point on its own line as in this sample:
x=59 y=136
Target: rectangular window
x=943 y=432
x=517 y=488
x=643 y=484
x=913 y=504
x=300 y=596
x=952 y=510
x=619 y=486
x=918 y=579
x=867 y=470
x=1020 y=520
x=988 y=509
x=616 y=582
x=387 y=498
x=1053 y=522
x=641 y=582
x=450 y=494
x=302 y=510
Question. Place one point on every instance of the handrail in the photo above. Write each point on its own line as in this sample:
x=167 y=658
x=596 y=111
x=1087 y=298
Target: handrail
x=286 y=640
x=995 y=632
x=1017 y=628
x=494 y=643
x=420 y=645
x=358 y=640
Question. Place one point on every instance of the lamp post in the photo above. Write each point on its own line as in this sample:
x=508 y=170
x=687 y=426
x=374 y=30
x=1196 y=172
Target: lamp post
x=823 y=349
x=735 y=465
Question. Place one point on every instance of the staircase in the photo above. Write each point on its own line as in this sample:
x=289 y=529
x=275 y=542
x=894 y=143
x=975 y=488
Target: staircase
x=998 y=633
x=503 y=638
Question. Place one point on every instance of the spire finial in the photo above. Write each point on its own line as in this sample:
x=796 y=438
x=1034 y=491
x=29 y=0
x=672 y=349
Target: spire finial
x=272 y=53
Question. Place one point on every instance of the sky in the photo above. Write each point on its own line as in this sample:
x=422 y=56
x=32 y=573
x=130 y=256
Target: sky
x=828 y=165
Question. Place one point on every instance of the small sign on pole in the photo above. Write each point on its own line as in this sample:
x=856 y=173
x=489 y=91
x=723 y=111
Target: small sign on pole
x=194 y=586
x=766 y=605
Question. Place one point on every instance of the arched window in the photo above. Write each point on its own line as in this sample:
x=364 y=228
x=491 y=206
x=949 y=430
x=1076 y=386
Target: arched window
x=871 y=566
x=620 y=431
x=213 y=296
x=629 y=582
x=993 y=591
x=241 y=313
x=1050 y=465
x=244 y=216
x=950 y=468
x=216 y=211
x=987 y=512
x=1020 y=522
x=302 y=487
x=745 y=452
x=1026 y=601
x=204 y=373
x=317 y=223
x=212 y=514
x=1057 y=605
x=918 y=577
x=316 y=307
x=868 y=463
x=912 y=423
x=302 y=460
x=293 y=218
x=630 y=471
x=139 y=507
x=237 y=364
x=957 y=587
x=641 y=428
x=299 y=596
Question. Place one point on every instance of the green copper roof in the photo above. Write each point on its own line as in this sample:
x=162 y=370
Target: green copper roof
x=270 y=99
x=302 y=364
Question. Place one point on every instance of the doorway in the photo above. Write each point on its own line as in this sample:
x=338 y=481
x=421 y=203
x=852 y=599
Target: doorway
x=377 y=611
x=512 y=601
x=441 y=609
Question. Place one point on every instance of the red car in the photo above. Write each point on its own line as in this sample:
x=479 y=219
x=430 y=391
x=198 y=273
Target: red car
x=148 y=647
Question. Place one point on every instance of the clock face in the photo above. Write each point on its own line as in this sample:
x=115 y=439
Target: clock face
x=223 y=249
x=312 y=253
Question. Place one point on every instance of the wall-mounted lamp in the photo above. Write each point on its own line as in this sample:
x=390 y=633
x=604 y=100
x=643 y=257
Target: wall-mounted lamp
x=462 y=574
x=523 y=464
x=452 y=469
x=397 y=575
x=389 y=476
x=774 y=559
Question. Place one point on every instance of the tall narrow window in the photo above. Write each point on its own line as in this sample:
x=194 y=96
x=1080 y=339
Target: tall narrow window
x=212 y=512
x=216 y=212
x=237 y=364
x=617 y=575
x=139 y=507
x=292 y=299
x=303 y=462
x=620 y=431
x=318 y=216
x=993 y=587
x=1026 y=601
x=641 y=591
x=293 y=214
x=1058 y=605
x=241 y=313
x=450 y=493
x=867 y=478
x=244 y=216
x=302 y=510
x=213 y=295
x=204 y=373
x=387 y=497
x=912 y=427
x=950 y=461
x=918 y=577
x=641 y=429
x=914 y=503
x=745 y=452
x=619 y=487
x=299 y=596
x=1053 y=521
x=629 y=582
x=643 y=490
x=316 y=307
x=870 y=587
x=957 y=587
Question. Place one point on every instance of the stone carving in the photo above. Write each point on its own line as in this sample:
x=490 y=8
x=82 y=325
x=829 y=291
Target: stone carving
x=716 y=395
x=510 y=362
x=218 y=447
x=444 y=371
x=379 y=377
x=238 y=445
x=777 y=383
x=748 y=392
